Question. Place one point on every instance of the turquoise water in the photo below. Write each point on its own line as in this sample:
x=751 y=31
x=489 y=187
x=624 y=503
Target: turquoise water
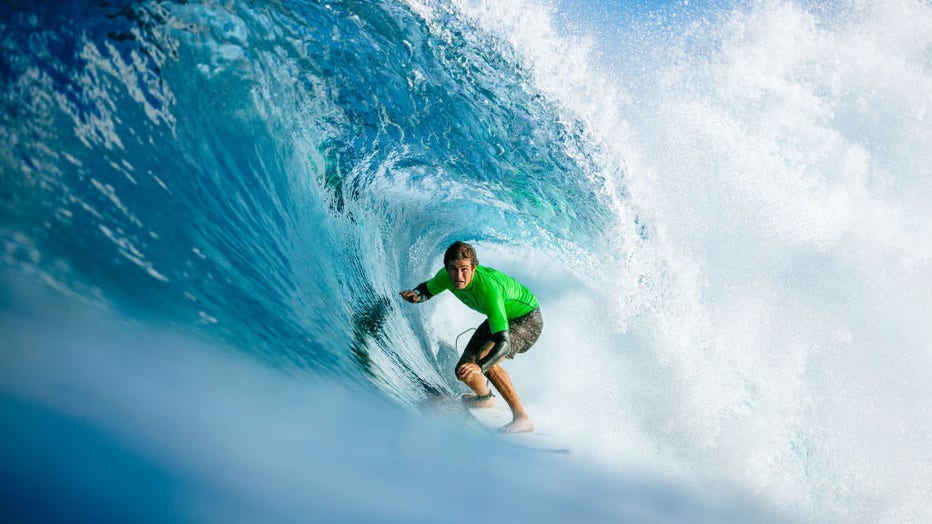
x=209 y=208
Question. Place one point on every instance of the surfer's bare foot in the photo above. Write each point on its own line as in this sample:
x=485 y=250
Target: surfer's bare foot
x=518 y=425
x=473 y=401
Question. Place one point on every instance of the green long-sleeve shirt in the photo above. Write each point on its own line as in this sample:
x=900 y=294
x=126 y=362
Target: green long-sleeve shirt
x=490 y=292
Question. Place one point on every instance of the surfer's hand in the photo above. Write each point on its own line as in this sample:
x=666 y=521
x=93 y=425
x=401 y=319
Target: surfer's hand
x=410 y=296
x=467 y=370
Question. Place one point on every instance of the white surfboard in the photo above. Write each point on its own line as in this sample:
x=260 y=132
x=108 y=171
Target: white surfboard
x=498 y=415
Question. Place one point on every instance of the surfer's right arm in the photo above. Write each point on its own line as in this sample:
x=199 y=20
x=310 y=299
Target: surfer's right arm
x=419 y=294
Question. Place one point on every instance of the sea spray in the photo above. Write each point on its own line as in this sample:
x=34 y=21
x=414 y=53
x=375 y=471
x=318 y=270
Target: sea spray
x=778 y=167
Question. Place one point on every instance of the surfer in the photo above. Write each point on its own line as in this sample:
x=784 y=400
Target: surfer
x=513 y=325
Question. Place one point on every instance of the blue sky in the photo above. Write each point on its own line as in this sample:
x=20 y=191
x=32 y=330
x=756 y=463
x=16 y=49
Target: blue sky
x=611 y=18
x=622 y=30
x=622 y=8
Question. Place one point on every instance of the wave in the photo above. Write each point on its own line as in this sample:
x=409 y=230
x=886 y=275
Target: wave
x=721 y=209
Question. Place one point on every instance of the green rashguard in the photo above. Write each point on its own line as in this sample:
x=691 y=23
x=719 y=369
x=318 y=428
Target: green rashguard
x=494 y=294
x=491 y=292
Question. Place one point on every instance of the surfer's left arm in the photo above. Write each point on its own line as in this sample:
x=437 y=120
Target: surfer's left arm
x=496 y=349
x=499 y=344
x=501 y=347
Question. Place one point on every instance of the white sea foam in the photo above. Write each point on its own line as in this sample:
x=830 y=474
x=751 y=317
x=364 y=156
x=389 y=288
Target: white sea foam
x=770 y=330
x=130 y=416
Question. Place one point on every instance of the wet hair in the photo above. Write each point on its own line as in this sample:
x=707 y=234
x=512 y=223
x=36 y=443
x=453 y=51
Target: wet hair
x=460 y=251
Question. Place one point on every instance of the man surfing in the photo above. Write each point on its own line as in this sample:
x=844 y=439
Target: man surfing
x=513 y=325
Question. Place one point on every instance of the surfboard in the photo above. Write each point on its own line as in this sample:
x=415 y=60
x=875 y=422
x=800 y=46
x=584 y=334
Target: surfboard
x=538 y=440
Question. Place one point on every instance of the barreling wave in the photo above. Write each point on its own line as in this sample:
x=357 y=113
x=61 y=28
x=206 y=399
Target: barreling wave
x=269 y=174
x=724 y=207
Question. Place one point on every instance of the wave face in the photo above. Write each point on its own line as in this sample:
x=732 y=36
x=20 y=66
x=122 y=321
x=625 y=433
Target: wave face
x=722 y=210
x=270 y=174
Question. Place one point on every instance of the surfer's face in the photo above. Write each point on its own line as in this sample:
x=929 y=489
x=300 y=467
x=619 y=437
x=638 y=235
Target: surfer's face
x=461 y=272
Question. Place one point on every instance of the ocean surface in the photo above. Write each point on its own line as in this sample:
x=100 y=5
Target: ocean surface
x=208 y=208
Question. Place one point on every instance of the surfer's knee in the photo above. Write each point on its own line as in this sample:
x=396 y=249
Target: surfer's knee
x=465 y=375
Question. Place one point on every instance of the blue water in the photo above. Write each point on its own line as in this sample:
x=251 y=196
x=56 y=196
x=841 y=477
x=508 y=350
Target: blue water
x=208 y=209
